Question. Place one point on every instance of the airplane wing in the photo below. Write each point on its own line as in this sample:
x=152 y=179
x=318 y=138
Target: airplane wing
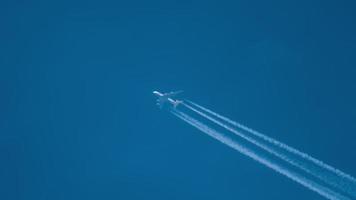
x=172 y=94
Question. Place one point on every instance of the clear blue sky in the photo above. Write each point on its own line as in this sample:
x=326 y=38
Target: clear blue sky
x=78 y=121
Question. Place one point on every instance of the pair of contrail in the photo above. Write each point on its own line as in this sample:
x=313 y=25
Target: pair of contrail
x=337 y=178
x=303 y=161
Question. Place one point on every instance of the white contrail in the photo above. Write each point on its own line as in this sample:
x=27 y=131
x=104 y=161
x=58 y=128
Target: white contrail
x=323 y=191
x=329 y=175
x=268 y=148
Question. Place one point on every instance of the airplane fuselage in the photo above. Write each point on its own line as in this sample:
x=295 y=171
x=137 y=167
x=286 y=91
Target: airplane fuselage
x=164 y=98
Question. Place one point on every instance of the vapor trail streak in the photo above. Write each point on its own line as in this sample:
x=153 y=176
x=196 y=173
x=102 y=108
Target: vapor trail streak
x=320 y=170
x=323 y=191
x=268 y=148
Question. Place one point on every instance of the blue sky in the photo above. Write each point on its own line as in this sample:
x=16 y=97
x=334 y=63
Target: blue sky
x=78 y=120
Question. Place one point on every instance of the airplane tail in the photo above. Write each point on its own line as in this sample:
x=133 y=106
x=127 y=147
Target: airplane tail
x=176 y=103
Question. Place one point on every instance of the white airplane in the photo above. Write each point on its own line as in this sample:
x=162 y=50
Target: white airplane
x=164 y=98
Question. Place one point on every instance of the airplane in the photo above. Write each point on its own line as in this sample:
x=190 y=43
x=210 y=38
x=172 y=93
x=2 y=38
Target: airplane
x=164 y=98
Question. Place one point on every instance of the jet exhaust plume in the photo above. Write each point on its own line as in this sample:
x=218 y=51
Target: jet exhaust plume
x=322 y=190
x=303 y=161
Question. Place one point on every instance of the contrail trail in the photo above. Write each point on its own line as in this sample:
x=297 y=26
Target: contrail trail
x=268 y=148
x=323 y=191
x=328 y=174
